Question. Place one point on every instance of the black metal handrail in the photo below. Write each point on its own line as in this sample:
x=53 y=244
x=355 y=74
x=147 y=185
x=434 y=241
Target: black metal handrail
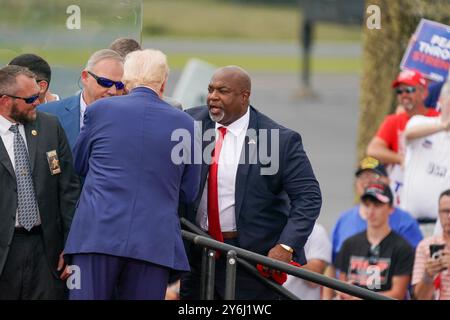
x=285 y=267
x=247 y=266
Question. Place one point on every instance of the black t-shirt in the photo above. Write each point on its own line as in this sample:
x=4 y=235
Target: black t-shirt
x=373 y=268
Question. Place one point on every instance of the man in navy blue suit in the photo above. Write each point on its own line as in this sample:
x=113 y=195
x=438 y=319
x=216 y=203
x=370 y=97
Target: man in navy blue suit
x=100 y=78
x=126 y=236
x=258 y=192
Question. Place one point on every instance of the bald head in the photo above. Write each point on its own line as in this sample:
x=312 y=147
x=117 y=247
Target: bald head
x=237 y=75
x=228 y=94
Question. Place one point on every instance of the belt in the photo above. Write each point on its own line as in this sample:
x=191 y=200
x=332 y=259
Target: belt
x=22 y=230
x=230 y=234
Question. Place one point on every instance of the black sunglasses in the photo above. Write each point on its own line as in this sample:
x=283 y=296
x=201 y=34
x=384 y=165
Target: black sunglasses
x=28 y=100
x=374 y=255
x=407 y=90
x=107 y=83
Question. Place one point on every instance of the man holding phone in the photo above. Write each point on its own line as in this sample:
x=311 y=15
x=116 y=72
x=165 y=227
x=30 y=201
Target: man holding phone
x=431 y=277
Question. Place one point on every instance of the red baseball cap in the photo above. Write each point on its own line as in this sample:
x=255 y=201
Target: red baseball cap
x=410 y=78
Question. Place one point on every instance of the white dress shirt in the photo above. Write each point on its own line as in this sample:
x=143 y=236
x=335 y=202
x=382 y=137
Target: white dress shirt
x=83 y=106
x=8 y=142
x=226 y=176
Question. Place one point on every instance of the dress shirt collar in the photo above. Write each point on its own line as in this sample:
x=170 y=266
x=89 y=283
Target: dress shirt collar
x=83 y=104
x=5 y=124
x=238 y=125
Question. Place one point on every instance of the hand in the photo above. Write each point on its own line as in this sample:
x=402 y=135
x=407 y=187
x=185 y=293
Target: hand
x=445 y=259
x=66 y=273
x=433 y=267
x=279 y=253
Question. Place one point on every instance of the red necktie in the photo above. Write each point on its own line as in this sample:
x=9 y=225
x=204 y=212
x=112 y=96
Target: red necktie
x=213 y=194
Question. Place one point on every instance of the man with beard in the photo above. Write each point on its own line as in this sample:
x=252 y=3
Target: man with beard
x=266 y=205
x=37 y=200
x=388 y=145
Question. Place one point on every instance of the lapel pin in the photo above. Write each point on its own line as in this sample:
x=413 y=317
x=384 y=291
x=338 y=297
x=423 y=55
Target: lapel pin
x=34 y=132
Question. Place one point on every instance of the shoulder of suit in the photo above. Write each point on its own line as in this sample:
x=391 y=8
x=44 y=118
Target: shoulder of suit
x=57 y=107
x=48 y=118
x=264 y=122
x=198 y=113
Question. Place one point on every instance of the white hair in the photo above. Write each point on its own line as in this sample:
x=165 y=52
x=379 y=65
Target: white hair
x=145 y=67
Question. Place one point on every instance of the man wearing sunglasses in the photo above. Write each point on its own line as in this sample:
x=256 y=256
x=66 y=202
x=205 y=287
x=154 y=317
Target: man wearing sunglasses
x=377 y=258
x=388 y=145
x=100 y=78
x=41 y=69
x=38 y=192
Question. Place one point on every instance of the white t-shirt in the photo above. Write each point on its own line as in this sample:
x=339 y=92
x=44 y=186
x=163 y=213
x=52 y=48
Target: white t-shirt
x=318 y=247
x=427 y=170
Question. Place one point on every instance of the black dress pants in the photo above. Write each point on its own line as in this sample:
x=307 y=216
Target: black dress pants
x=26 y=274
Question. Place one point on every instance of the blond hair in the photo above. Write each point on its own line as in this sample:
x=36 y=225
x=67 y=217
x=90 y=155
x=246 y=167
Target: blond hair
x=145 y=68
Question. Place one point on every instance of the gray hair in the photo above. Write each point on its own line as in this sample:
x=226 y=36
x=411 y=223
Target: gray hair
x=100 y=55
x=145 y=67
x=8 y=78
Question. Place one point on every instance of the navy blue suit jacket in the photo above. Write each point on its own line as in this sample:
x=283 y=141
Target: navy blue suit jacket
x=129 y=202
x=68 y=113
x=269 y=209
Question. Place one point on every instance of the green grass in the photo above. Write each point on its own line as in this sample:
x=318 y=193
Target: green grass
x=271 y=63
x=78 y=58
x=228 y=20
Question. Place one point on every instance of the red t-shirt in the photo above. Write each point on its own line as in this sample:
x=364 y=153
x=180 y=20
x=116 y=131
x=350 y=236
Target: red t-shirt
x=392 y=128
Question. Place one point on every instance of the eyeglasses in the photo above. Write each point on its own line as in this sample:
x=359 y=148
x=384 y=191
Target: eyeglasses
x=374 y=255
x=107 y=83
x=28 y=100
x=406 y=90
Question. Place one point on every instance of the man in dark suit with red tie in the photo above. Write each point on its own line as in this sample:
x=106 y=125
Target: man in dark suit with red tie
x=258 y=191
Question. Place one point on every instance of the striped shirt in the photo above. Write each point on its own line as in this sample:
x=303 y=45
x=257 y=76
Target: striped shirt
x=422 y=254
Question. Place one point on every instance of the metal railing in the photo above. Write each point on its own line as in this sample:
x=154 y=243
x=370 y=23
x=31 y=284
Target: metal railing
x=235 y=254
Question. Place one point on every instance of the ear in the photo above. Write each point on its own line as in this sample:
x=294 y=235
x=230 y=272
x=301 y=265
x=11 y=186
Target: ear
x=163 y=87
x=424 y=92
x=84 y=77
x=246 y=96
x=43 y=86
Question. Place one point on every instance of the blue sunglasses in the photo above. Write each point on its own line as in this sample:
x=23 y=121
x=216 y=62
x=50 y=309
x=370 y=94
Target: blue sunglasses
x=107 y=83
x=28 y=100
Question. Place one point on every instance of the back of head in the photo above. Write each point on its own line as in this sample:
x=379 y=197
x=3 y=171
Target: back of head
x=124 y=46
x=146 y=68
x=34 y=63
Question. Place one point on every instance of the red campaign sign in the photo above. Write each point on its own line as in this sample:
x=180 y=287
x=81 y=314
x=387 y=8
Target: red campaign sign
x=429 y=50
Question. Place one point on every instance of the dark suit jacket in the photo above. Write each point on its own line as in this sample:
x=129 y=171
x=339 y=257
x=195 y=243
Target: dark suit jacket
x=128 y=206
x=56 y=194
x=68 y=113
x=269 y=209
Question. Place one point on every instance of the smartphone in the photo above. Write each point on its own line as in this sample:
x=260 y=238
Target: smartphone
x=436 y=250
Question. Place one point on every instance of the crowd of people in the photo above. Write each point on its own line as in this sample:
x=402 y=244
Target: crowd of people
x=99 y=180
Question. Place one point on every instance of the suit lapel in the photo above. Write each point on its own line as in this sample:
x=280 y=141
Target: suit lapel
x=71 y=119
x=248 y=156
x=5 y=160
x=32 y=134
x=207 y=125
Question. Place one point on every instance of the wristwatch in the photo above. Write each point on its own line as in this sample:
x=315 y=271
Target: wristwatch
x=287 y=248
